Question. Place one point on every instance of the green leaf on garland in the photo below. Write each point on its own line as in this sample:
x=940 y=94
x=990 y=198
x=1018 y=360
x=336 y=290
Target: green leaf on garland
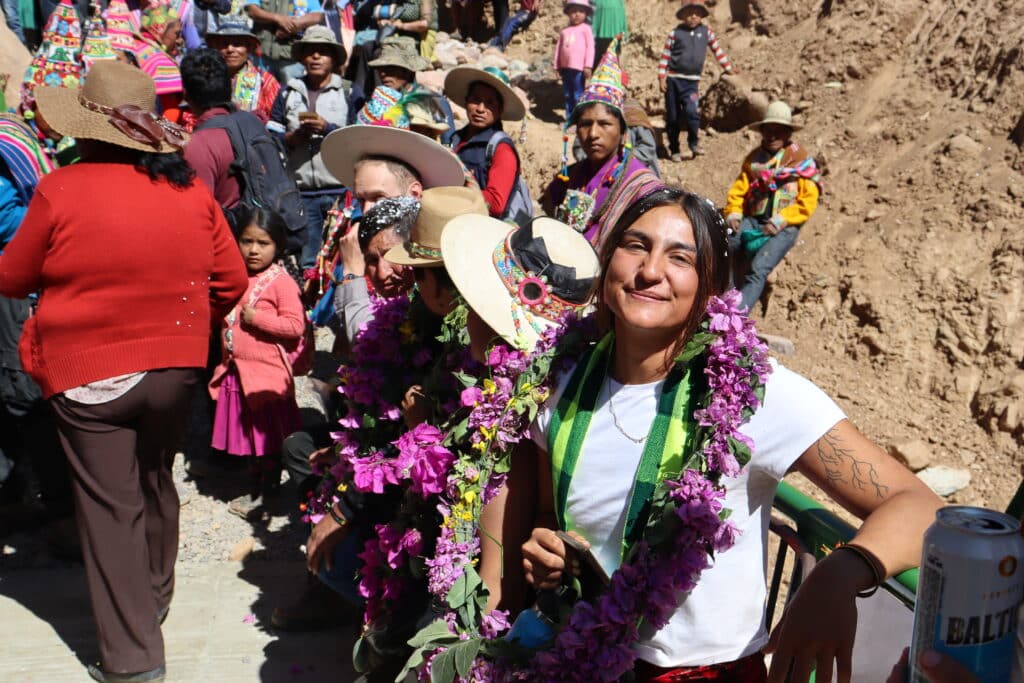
x=465 y=379
x=442 y=667
x=465 y=655
x=437 y=632
x=740 y=450
x=463 y=588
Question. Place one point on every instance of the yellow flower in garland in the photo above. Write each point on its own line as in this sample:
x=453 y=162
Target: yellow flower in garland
x=407 y=330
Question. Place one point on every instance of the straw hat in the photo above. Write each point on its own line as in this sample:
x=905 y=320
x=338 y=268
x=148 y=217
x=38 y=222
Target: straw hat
x=438 y=206
x=436 y=165
x=693 y=4
x=519 y=280
x=319 y=35
x=460 y=79
x=400 y=51
x=116 y=106
x=780 y=113
x=582 y=4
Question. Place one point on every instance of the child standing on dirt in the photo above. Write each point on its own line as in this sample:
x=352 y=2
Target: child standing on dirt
x=253 y=385
x=574 y=52
x=679 y=72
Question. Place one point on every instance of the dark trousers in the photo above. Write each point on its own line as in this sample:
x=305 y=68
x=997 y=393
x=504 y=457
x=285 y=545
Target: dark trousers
x=126 y=507
x=317 y=206
x=600 y=47
x=500 y=8
x=572 y=89
x=295 y=452
x=682 y=101
x=518 y=22
x=764 y=260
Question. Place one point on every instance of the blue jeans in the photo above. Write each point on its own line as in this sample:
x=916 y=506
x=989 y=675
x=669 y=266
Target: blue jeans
x=343 y=578
x=317 y=206
x=682 y=101
x=10 y=8
x=572 y=89
x=764 y=259
x=518 y=22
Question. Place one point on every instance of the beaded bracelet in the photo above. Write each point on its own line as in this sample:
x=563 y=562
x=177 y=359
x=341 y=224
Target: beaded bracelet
x=338 y=517
x=876 y=569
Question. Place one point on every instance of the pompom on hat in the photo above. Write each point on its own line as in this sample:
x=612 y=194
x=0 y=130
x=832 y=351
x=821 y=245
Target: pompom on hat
x=96 y=47
x=605 y=85
x=693 y=4
x=56 y=62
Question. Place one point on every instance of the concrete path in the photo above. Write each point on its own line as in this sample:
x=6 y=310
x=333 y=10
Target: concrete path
x=218 y=628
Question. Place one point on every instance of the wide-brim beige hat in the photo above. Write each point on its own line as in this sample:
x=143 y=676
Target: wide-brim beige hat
x=469 y=245
x=115 y=106
x=345 y=147
x=459 y=80
x=438 y=206
x=780 y=113
x=320 y=35
x=402 y=58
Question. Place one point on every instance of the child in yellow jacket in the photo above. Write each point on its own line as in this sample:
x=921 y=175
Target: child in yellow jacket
x=776 y=192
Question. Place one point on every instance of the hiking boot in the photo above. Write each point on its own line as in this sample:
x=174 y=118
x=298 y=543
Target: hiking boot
x=317 y=608
x=676 y=156
x=152 y=676
x=697 y=151
x=246 y=506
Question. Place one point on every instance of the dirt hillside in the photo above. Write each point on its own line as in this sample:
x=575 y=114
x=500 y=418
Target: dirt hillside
x=905 y=294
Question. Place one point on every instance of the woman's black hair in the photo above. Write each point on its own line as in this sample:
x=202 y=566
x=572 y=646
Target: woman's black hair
x=710 y=234
x=205 y=78
x=171 y=167
x=269 y=221
x=440 y=273
x=397 y=213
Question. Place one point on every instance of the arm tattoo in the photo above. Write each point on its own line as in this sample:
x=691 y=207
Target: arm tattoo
x=837 y=459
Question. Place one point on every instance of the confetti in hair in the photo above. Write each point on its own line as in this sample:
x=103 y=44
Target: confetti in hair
x=399 y=213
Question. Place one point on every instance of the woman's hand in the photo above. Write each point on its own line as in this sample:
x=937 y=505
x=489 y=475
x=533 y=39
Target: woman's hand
x=818 y=628
x=545 y=558
x=320 y=546
x=321 y=459
x=415 y=406
x=248 y=314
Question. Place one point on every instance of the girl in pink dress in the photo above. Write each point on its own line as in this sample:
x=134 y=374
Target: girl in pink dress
x=253 y=384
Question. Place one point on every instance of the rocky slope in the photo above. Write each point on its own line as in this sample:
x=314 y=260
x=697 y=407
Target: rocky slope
x=904 y=294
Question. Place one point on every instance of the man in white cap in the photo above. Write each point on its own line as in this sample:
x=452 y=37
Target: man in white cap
x=776 y=192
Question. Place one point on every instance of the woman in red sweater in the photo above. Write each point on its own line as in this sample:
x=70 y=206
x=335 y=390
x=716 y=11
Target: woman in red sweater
x=132 y=260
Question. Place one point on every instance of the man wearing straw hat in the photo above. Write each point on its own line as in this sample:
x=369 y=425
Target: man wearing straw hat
x=776 y=192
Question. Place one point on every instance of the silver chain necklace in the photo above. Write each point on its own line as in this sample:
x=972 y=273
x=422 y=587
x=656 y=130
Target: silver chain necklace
x=615 y=418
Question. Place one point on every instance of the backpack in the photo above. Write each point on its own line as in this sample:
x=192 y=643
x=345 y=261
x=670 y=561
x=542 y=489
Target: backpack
x=519 y=208
x=262 y=177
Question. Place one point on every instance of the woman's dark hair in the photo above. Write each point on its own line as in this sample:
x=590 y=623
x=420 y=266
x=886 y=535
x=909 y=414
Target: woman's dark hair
x=205 y=78
x=712 y=263
x=440 y=273
x=590 y=105
x=269 y=221
x=170 y=167
x=396 y=213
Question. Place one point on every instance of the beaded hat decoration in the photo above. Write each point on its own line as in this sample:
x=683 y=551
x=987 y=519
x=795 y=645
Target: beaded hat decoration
x=121 y=25
x=605 y=85
x=96 y=47
x=538 y=286
x=157 y=17
x=56 y=61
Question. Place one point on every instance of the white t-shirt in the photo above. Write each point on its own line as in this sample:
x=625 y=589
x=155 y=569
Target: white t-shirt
x=722 y=619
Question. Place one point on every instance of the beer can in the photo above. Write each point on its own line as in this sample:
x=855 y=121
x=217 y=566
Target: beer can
x=970 y=587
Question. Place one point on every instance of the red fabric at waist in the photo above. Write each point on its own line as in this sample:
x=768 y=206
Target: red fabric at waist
x=750 y=669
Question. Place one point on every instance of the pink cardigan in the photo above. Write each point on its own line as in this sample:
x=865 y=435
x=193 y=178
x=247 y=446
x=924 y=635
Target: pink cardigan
x=575 y=48
x=256 y=348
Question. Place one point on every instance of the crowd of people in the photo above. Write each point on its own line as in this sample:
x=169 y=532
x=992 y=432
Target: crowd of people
x=552 y=441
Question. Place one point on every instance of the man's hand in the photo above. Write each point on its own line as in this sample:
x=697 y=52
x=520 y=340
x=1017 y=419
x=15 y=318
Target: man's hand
x=937 y=668
x=286 y=25
x=322 y=458
x=315 y=126
x=772 y=228
x=663 y=84
x=545 y=558
x=415 y=406
x=320 y=547
x=351 y=255
x=733 y=223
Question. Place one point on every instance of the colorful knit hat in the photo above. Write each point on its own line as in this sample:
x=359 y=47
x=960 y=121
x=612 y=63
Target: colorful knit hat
x=56 y=60
x=96 y=47
x=605 y=86
x=121 y=25
x=157 y=17
x=383 y=108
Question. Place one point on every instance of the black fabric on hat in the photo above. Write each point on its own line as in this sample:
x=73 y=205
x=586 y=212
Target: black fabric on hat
x=532 y=256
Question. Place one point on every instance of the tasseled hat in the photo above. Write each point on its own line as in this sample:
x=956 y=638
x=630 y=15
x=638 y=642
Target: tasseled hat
x=121 y=25
x=156 y=17
x=96 y=47
x=383 y=109
x=605 y=85
x=56 y=61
